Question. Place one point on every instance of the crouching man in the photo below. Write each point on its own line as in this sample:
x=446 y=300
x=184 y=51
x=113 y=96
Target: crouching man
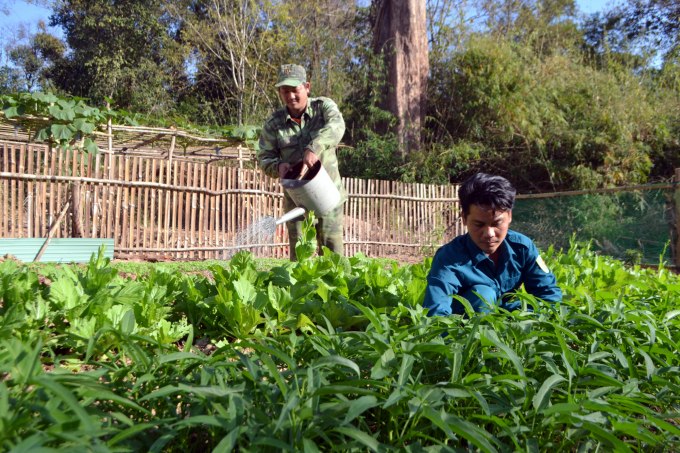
x=490 y=262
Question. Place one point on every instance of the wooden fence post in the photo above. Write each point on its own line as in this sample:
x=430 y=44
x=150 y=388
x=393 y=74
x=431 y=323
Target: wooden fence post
x=76 y=212
x=677 y=216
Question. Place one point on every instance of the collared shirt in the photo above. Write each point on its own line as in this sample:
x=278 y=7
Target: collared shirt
x=461 y=264
x=320 y=129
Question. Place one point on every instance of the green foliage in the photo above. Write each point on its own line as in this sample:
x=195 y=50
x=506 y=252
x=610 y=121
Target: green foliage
x=549 y=121
x=130 y=58
x=73 y=119
x=306 y=244
x=336 y=353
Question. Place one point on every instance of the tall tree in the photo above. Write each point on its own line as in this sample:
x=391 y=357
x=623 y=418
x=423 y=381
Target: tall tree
x=36 y=58
x=233 y=41
x=400 y=35
x=122 y=49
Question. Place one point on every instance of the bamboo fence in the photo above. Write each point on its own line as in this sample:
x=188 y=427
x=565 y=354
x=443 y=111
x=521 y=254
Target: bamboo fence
x=192 y=209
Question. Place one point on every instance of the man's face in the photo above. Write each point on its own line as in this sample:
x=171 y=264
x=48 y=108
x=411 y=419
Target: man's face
x=295 y=98
x=487 y=228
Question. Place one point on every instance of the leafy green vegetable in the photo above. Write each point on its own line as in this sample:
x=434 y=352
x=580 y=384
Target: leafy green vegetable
x=334 y=353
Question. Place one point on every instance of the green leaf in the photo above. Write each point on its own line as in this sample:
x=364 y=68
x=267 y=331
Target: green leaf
x=228 y=442
x=16 y=110
x=363 y=439
x=138 y=428
x=68 y=397
x=310 y=446
x=127 y=325
x=671 y=314
x=61 y=131
x=359 y=406
x=83 y=125
x=180 y=356
x=542 y=397
x=273 y=443
x=337 y=360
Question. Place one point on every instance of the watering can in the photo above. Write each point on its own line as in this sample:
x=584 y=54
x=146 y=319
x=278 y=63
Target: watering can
x=311 y=191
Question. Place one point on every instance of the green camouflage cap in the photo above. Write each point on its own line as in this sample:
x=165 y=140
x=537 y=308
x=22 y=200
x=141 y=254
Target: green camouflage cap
x=291 y=75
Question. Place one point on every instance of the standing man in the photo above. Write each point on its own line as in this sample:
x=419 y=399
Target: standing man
x=490 y=261
x=305 y=130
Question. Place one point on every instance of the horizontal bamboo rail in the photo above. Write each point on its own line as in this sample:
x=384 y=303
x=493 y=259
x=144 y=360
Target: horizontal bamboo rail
x=115 y=182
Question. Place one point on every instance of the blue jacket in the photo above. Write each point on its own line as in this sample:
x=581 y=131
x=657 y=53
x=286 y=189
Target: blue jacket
x=460 y=264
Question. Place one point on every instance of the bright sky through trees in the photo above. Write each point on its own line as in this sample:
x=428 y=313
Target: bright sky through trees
x=20 y=12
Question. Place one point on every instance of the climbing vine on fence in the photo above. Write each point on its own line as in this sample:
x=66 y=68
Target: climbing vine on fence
x=71 y=121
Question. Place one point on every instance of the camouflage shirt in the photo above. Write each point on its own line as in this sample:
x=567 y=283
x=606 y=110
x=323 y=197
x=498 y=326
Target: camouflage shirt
x=284 y=140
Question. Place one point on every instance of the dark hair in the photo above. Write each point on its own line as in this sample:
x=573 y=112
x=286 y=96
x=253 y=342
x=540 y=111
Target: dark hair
x=482 y=189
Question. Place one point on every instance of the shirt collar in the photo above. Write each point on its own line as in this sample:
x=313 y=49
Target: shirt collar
x=478 y=255
x=308 y=113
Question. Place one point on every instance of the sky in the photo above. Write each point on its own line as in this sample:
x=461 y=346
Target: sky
x=31 y=13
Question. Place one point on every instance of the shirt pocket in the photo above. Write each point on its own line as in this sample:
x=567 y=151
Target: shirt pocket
x=510 y=282
x=290 y=149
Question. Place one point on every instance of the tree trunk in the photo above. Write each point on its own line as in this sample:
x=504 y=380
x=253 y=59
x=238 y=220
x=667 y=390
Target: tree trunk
x=401 y=35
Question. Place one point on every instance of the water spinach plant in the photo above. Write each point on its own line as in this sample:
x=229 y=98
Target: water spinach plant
x=334 y=354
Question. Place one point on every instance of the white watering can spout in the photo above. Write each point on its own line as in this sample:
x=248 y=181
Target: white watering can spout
x=290 y=215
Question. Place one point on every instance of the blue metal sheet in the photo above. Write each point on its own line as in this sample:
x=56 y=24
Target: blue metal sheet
x=59 y=250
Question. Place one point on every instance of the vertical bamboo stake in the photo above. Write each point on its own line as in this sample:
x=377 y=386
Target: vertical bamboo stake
x=194 y=202
x=345 y=219
x=201 y=211
x=403 y=217
x=383 y=214
x=153 y=219
x=119 y=202
x=12 y=193
x=13 y=184
x=96 y=188
x=181 y=225
x=360 y=206
x=209 y=170
x=175 y=194
x=126 y=204
x=168 y=194
x=279 y=212
x=30 y=217
x=86 y=192
x=140 y=204
x=60 y=172
x=134 y=194
x=370 y=217
x=223 y=200
x=187 y=210
x=109 y=188
x=111 y=199
x=230 y=204
x=22 y=189
x=214 y=209
x=40 y=187
x=147 y=177
x=76 y=210
x=11 y=215
x=52 y=172
x=159 y=208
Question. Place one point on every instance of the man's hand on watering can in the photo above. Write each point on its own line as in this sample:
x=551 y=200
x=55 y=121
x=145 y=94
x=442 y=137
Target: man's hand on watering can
x=309 y=159
x=284 y=167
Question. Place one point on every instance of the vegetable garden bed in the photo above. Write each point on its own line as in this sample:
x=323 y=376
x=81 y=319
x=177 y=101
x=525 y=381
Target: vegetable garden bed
x=334 y=354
